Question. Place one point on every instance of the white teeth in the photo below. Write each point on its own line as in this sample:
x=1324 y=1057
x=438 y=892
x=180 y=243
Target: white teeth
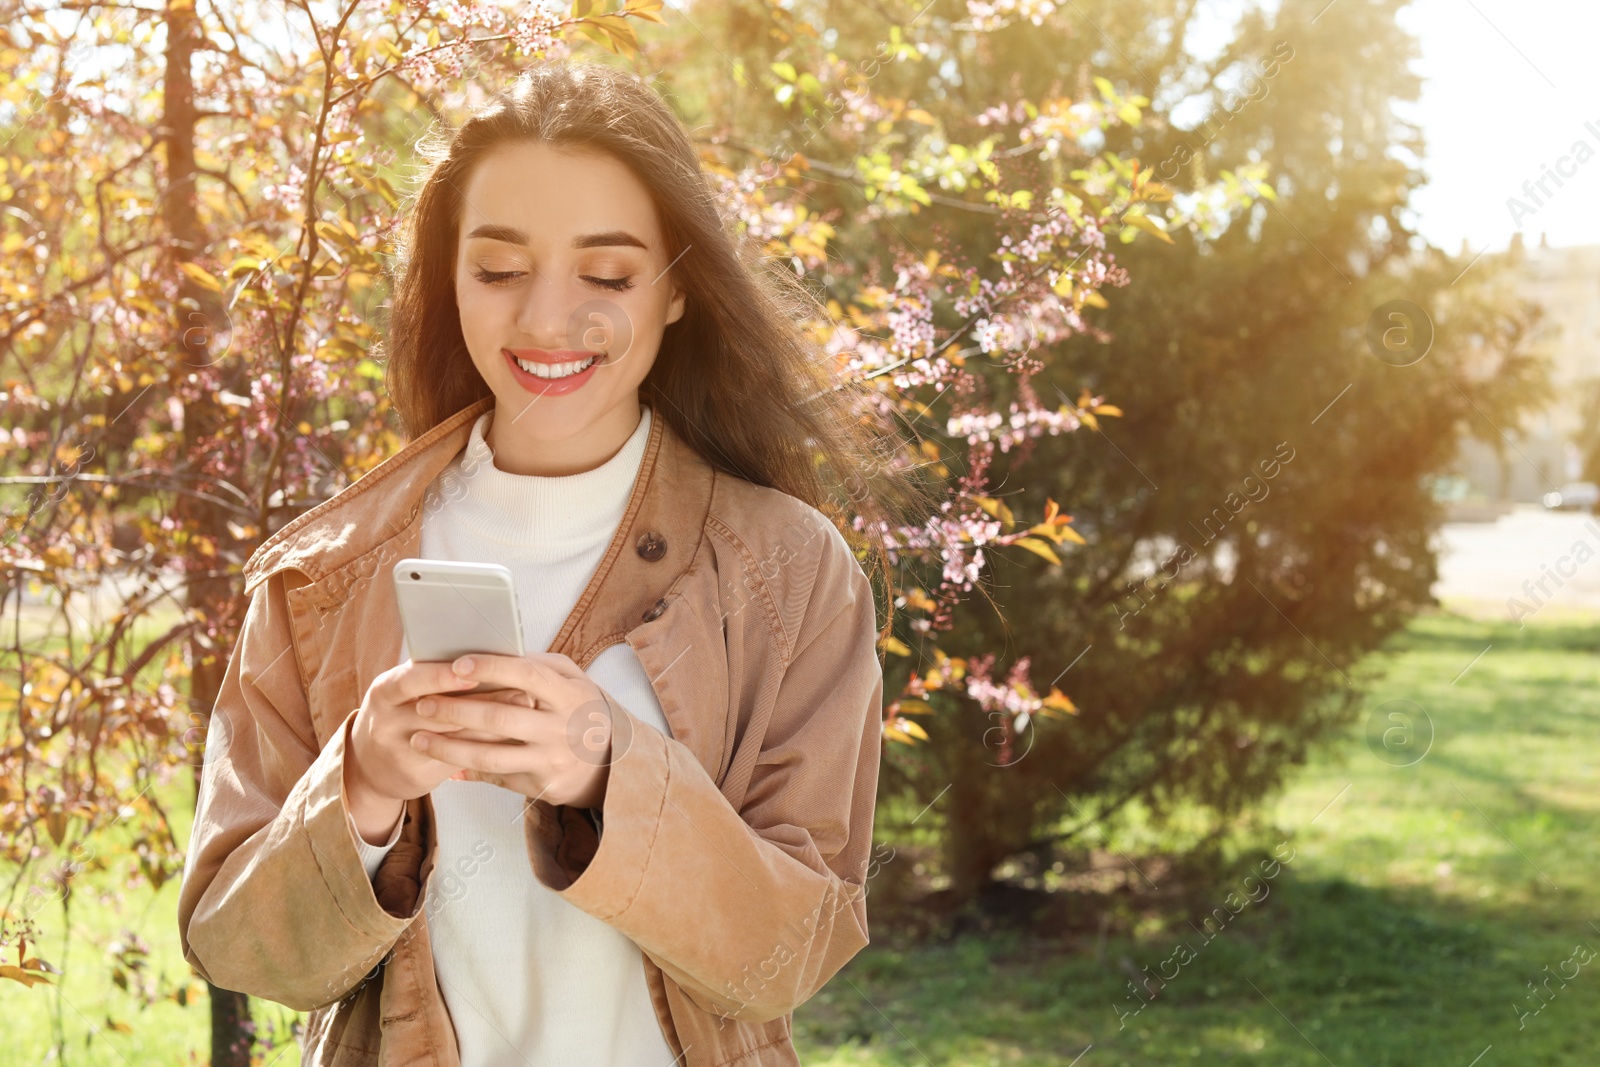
x=555 y=370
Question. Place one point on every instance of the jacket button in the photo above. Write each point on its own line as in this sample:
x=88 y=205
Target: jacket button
x=651 y=546
x=655 y=611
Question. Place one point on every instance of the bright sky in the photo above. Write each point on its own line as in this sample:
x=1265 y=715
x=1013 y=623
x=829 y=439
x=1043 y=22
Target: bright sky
x=1510 y=85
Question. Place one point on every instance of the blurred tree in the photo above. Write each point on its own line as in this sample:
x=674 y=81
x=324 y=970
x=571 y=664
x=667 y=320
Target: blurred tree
x=1260 y=520
x=190 y=323
x=190 y=276
x=1588 y=437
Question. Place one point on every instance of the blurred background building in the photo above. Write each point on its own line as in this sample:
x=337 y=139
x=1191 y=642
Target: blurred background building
x=1547 y=453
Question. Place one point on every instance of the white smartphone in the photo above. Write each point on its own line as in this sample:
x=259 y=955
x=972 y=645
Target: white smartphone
x=448 y=609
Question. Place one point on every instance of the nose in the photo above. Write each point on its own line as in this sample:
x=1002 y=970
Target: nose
x=544 y=311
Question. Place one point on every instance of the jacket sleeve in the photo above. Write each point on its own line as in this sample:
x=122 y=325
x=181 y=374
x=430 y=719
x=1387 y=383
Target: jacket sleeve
x=749 y=911
x=275 y=900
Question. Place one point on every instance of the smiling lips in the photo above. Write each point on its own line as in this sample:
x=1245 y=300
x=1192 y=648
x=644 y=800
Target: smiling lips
x=551 y=373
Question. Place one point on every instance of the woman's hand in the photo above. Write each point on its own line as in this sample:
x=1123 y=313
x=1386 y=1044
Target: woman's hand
x=382 y=768
x=557 y=748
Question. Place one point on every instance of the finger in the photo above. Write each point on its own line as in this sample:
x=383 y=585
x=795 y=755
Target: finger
x=459 y=731
x=515 y=782
x=488 y=716
x=511 y=672
x=465 y=775
x=557 y=663
x=509 y=696
x=413 y=680
x=471 y=755
x=417 y=722
x=505 y=696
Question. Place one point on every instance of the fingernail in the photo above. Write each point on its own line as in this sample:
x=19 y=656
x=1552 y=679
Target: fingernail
x=421 y=740
x=464 y=665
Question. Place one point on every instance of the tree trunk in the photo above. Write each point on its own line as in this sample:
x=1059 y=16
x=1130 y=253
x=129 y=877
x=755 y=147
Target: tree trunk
x=199 y=316
x=977 y=836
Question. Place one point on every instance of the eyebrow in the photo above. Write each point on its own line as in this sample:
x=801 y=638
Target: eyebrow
x=512 y=235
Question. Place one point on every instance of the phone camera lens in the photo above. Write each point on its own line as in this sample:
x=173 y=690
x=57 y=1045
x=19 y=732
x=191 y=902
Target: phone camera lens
x=415 y=577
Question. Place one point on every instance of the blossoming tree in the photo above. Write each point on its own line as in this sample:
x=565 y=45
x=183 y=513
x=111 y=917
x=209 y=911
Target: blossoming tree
x=199 y=203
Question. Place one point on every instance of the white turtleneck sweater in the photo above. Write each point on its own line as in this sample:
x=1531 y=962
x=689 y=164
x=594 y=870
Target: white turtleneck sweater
x=531 y=980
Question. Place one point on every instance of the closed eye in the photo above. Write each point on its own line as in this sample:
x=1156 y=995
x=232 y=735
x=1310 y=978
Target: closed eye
x=494 y=277
x=502 y=277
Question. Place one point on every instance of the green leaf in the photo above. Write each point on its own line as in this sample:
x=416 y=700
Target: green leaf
x=615 y=33
x=1148 y=225
x=333 y=233
x=646 y=9
x=914 y=728
x=17 y=974
x=1038 y=548
x=200 y=276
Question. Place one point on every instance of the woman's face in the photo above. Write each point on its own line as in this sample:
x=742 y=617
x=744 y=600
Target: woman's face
x=563 y=288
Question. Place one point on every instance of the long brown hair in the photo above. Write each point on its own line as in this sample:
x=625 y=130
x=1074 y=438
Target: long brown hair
x=736 y=376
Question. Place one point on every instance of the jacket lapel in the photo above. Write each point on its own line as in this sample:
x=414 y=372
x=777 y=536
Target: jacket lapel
x=347 y=546
x=655 y=542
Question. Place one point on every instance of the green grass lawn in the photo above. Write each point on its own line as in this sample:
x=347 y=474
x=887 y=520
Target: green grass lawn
x=1420 y=902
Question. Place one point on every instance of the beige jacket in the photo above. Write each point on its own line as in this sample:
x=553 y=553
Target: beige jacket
x=734 y=853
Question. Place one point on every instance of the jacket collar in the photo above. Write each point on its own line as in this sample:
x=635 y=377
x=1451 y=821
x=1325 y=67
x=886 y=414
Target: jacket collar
x=362 y=531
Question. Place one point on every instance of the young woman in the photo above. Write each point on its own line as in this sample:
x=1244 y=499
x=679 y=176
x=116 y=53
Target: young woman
x=650 y=845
